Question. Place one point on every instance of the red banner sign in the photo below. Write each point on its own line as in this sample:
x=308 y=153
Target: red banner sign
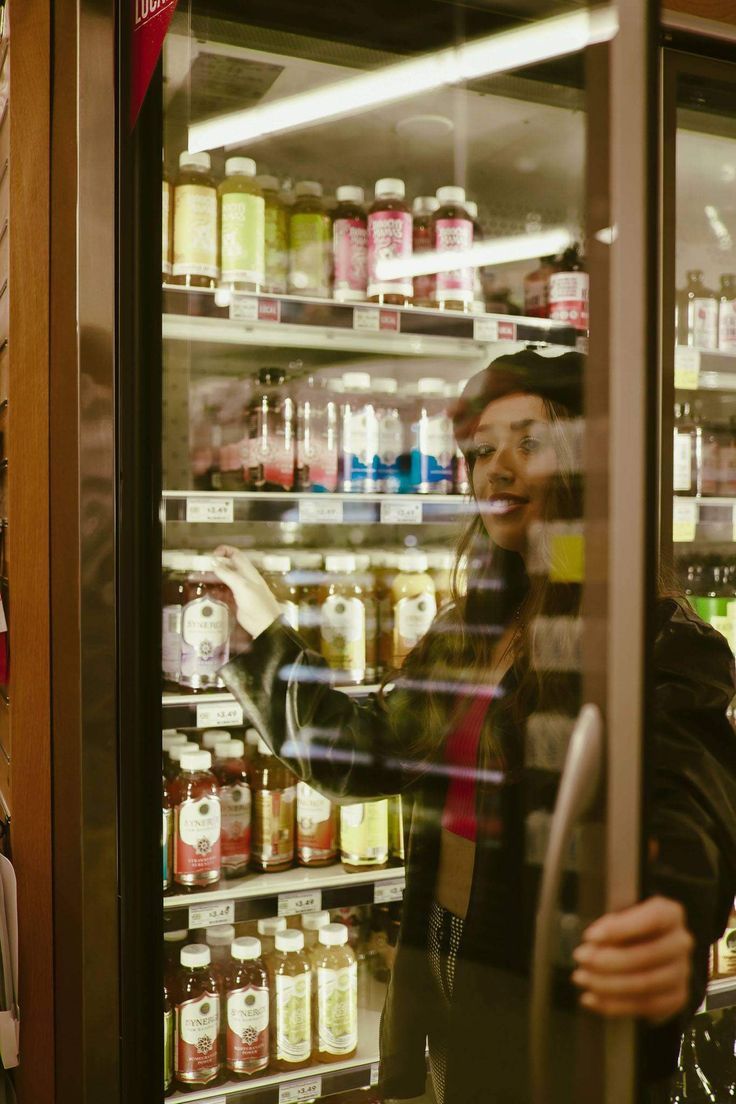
x=151 y=20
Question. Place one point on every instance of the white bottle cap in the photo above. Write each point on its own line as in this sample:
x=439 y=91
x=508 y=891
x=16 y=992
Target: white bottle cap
x=263 y=748
x=236 y=749
x=431 y=385
x=273 y=562
x=413 y=561
x=451 y=194
x=472 y=208
x=390 y=186
x=333 y=935
x=440 y=560
x=271 y=925
x=240 y=166
x=290 y=940
x=425 y=205
x=178 y=750
x=211 y=737
x=252 y=737
x=223 y=749
x=169 y=731
x=201 y=563
x=268 y=183
x=220 y=935
x=196 y=761
x=176 y=936
x=313 y=921
x=195 y=954
x=356 y=381
x=350 y=193
x=308 y=188
x=385 y=385
x=169 y=740
x=339 y=563
x=336 y=385
x=245 y=948
x=189 y=160
x=307 y=561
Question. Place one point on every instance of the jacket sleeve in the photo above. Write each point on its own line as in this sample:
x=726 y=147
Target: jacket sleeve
x=347 y=749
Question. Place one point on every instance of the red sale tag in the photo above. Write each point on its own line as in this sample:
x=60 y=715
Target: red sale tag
x=151 y=20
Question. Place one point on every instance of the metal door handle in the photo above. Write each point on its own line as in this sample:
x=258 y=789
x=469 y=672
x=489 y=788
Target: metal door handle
x=578 y=788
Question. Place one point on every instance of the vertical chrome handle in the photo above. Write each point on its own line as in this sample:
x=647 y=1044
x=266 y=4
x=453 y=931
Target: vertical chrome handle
x=578 y=788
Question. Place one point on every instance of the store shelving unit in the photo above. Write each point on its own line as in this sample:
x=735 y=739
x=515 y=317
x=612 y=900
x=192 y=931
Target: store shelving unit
x=704 y=369
x=721 y=994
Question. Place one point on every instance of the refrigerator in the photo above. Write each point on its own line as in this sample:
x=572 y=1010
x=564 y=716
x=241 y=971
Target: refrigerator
x=271 y=340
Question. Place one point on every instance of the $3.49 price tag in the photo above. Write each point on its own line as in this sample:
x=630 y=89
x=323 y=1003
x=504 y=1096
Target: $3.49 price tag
x=401 y=513
x=219 y=714
x=320 y=510
x=684 y=520
x=296 y=904
x=294 y=1092
x=206 y=916
x=388 y=891
x=211 y=510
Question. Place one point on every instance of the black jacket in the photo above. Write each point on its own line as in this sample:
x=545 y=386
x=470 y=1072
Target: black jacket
x=352 y=750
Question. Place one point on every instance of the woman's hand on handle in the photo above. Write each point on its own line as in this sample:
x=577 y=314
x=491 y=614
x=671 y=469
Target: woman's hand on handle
x=637 y=962
x=255 y=604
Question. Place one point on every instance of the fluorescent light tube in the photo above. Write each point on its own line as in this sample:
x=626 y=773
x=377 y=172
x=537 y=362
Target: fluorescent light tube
x=520 y=247
x=498 y=53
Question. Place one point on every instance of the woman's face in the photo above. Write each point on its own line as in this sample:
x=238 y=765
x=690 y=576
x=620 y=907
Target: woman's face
x=514 y=466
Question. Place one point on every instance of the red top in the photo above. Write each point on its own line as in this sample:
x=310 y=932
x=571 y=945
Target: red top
x=461 y=757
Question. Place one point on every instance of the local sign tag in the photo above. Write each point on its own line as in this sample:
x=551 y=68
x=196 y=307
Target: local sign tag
x=219 y=714
x=210 y=509
x=374 y=1073
x=388 y=891
x=485 y=329
x=295 y=904
x=687 y=368
x=401 y=513
x=366 y=318
x=320 y=510
x=295 y=1091
x=684 y=519
x=243 y=308
x=206 y=916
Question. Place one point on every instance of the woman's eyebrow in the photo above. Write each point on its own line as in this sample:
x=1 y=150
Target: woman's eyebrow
x=515 y=427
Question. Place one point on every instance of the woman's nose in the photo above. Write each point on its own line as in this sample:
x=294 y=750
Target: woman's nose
x=500 y=469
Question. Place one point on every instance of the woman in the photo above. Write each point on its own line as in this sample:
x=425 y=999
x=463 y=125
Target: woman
x=469 y=731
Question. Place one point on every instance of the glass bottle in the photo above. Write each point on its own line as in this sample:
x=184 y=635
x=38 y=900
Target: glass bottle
x=390 y=233
x=196 y=1000
x=197 y=822
x=310 y=231
x=271 y=433
x=453 y=233
x=433 y=447
x=290 y=974
x=242 y=227
x=219 y=939
x=569 y=290
x=276 y=236
x=425 y=285
x=167 y=211
x=359 y=434
x=316 y=436
x=727 y=314
x=268 y=929
x=684 y=480
x=350 y=245
x=336 y=996
x=274 y=802
x=316 y=827
x=235 y=801
x=195 y=223
x=343 y=620
x=414 y=604
x=207 y=621
x=276 y=572
x=697 y=313
x=312 y=923
x=364 y=835
x=246 y=999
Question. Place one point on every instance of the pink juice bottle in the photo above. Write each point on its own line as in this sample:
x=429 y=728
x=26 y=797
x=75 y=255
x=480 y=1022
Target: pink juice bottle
x=350 y=245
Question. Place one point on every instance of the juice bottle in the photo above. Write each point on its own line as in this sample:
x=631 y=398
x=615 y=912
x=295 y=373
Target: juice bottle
x=196 y=1000
x=169 y=740
x=707 y=457
x=385 y=566
x=343 y=620
x=276 y=234
x=276 y=570
x=168 y=1041
x=251 y=745
x=167 y=210
x=684 y=470
x=390 y=435
x=312 y=924
x=359 y=434
x=336 y=997
x=350 y=245
x=727 y=475
x=439 y=566
x=274 y=800
x=414 y=604
x=364 y=835
x=268 y=928
x=308 y=577
x=195 y=223
x=536 y=289
x=478 y=305
x=697 y=313
x=219 y=939
x=316 y=827
x=174 y=941
x=197 y=822
x=310 y=232
x=242 y=227
x=316 y=436
x=569 y=291
x=396 y=829
x=425 y=285
x=390 y=232
x=175 y=565
x=235 y=802
x=246 y=1001
x=290 y=975
x=174 y=764
x=207 y=620
x=433 y=447
x=366 y=580
x=453 y=233
x=271 y=436
x=167 y=836
x=727 y=313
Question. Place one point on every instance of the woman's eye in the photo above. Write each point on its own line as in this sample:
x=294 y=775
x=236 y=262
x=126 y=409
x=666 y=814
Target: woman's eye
x=530 y=444
x=483 y=451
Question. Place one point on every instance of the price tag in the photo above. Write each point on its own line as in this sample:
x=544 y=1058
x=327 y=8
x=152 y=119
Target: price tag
x=684 y=520
x=388 y=891
x=485 y=329
x=310 y=1088
x=321 y=510
x=219 y=714
x=207 y=915
x=374 y=1073
x=366 y=318
x=243 y=308
x=401 y=513
x=210 y=509
x=295 y=904
x=687 y=368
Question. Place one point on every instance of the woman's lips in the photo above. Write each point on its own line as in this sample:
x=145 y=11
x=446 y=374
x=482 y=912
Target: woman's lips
x=504 y=505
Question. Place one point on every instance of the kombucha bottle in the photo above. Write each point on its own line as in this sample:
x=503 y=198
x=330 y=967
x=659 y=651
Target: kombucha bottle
x=291 y=1002
x=242 y=227
x=390 y=233
x=274 y=800
x=195 y=223
x=364 y=835
x=312 y=924
x=197 y=823
x=336 y=996
x=268 y=929
x=453 y=233
x=235 y=803
x=196 y=999
x=246 y=1010
x=316 y=827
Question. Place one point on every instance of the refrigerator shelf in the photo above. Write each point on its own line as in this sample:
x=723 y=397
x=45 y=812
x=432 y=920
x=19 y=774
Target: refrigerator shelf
x=304 y=1085
x=219 y=709
x=287 y=893
x=704 y=369
x=710 y=520
x=721 y=994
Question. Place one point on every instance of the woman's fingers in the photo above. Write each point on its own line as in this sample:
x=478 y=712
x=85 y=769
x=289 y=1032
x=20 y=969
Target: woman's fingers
x=611 y=959
x=238 y=560
x=655 y=1008
x=635 y=983
x=640 y=922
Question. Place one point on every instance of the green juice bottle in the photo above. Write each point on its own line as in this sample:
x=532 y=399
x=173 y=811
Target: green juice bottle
x=310 y=232
x=242 y=227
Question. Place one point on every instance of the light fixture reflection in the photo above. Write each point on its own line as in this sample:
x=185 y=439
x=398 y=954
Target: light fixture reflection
x=519 y=247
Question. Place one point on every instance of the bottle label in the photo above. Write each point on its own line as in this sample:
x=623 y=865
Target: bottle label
x=454 y=236
x=364 y=832
x=247 y=1029
x=704 y=323
x=337 y=1009
x=166 y=228
x=168 y=1048
x=390 y=447
x=315 y=824
x=683 y=461
x=293 y=1033
x=290 y=614
x=360 y=448
x=727 y=324
x=350 y=244
x=412 y=619
x=243 y=238
x=277 y=248
x=273 y=827
x=167 y=825
x=198 y=829
x=425 y=286
x=235 y=808
x=271 y=446
x=195 y=231
x=343 y=634
x=309 y=236
x=568 y=298
x=316 y=458
x=536 y=298
x=710 y=467
x=433 y=451
x=171 y=642
x=197 y=1030
x=727 y=477
x=389 y=238
x=205 y=640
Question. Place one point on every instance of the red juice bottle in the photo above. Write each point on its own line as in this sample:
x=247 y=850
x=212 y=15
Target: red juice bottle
x=423 y=242
x=389 y=238
x=196 y=1000
x=453 y=233
x=235 y=804
x=350 y=245
x=247 y=1012
x=271 y=433
x=197 y=822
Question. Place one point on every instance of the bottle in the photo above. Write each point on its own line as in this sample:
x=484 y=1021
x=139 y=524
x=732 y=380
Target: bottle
x=235 y=803
x=439 y=566
x=364 y=835
x=727 y=474
x=569 y=290
x=385 y=566
x=211 y=737
x=268 y=927
x=174 y=566
x=247 y=1017
x=308 y=578
x=242 y=227
x=453 y=233
x=697 y=313
x=274 y=801
x=684 y=469
x=396 y=829
x=276 y=569
x=343 y=620
x=196 y=1001
x=167 y=836
x=312 y=924
x=478 y=305
x=707 y=457
x=176 y=751
x=536 y=289
x=316 y=436
x=197 y=822
x=390 y=433
x=219 y=939
x=195 y=223
x=271 y=436
x=390 y=233
x=316 y=827
x=309 y=242
x=359 y=434
x=350 y=245
x=174 y=941
x=414 y=604
x=433 y=447
x=336 y=1003
x=425 y=285
x=276 y=237
x=291 y=1002
x=727 y=314
x=460 y=474
x=167 y=210
x=168 y=1041
x=365 y=579
x=169 y=740
x=207 y=620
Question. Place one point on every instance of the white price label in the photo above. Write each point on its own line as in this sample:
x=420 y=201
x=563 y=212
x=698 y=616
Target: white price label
x=366 y=318
x=374 y=1073
x=485 y=329
x=207 y=915
x=388 y=891
x=219 y=714
x=243 y=308
x=684 y=520
x=401 y=513
x=310 y=1088
x=294 y=904
x=320 y=510
x=687 y=368
x=210 y=509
